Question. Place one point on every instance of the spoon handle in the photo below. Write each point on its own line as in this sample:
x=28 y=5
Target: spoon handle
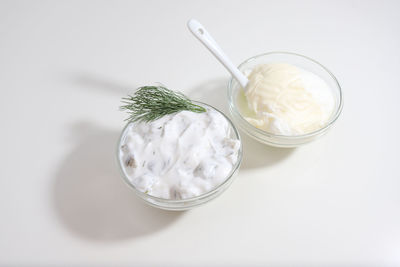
x=204 y=37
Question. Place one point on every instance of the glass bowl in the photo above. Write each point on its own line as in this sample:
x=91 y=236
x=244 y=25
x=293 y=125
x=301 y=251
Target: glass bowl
x=301 y=62
x=185 y=204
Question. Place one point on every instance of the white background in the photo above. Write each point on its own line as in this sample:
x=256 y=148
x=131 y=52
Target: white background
x=64 y=67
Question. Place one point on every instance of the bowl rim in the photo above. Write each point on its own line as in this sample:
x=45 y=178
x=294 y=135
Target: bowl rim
x=228 y=178
x=233 y=106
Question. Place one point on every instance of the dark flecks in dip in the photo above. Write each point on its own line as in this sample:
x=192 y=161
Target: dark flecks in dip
x=130 y=162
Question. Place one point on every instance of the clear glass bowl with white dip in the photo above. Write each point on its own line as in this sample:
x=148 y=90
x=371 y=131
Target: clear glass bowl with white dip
x=191 y=202
x=237 y=99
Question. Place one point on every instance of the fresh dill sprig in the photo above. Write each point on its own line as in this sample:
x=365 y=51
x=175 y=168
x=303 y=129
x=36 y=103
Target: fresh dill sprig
x=149 y=103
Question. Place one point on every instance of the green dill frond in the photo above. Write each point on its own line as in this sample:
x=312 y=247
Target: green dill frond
x=149 y=103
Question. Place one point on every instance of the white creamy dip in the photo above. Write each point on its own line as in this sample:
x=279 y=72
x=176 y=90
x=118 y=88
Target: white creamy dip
x=284 y=99
x=179 y=156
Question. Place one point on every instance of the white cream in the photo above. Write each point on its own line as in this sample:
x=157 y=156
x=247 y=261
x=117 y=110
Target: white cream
x=179 y=156
x=284 y=99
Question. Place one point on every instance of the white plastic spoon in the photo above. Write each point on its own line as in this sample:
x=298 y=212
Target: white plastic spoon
x=206 y=39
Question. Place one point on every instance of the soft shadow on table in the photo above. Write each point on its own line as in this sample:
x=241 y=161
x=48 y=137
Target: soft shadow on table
x=91 y=199
x=255 y=154
x=96 y=82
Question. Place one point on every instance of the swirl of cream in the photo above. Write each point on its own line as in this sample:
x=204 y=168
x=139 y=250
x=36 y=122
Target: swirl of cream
x=287 y=100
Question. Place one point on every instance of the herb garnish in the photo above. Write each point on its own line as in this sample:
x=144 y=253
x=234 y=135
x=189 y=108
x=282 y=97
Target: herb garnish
x=149 y=103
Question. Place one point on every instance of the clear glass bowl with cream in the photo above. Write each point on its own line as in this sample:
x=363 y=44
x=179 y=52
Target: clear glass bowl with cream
x=182 y=160
x=290 y=99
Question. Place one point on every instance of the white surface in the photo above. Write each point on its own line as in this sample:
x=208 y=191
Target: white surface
x=208 y=41
x=64 y=68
